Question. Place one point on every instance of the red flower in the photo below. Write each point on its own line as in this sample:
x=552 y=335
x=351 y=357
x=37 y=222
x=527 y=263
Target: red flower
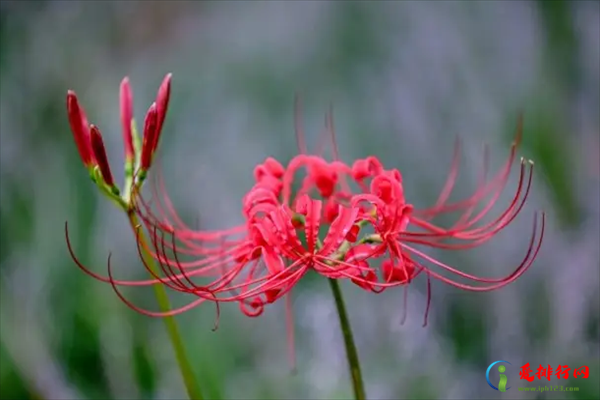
x=370 y=236
x=260 y=261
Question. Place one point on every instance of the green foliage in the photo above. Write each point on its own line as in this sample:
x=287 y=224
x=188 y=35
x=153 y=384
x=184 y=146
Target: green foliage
x=465 y=326
x=536 y=314
x=12 y=385
x=80 y=353
x=144 y=368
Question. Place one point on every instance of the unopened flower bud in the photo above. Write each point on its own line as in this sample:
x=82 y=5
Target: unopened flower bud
x=150 y=134
x=79 y=128
x=100 y=155
x=162 y=104
x=126 y=105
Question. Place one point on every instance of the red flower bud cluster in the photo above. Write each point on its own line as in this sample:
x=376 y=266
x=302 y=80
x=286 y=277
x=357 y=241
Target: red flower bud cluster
x=89 y=139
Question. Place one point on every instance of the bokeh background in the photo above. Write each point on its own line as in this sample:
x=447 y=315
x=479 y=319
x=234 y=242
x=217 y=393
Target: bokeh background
x=405 y=79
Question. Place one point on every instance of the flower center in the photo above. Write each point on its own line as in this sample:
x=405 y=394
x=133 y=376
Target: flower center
x=326 y=225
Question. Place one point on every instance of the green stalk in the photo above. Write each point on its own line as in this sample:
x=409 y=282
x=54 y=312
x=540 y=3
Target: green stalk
x=192 y=387
x=351 y=353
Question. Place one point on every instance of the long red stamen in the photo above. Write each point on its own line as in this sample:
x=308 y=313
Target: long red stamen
x=148 y=313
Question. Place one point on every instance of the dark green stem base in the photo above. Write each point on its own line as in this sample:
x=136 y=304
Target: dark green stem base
x=351 y=353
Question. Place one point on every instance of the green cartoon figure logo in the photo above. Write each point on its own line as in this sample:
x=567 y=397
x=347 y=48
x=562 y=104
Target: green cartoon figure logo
x=503 y=379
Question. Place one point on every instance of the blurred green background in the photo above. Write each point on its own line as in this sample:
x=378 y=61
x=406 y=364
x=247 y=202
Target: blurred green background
x=405 y=78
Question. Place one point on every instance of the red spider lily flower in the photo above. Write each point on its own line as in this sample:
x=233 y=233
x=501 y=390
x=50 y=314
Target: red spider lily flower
x=370 y=240
x=269 y=245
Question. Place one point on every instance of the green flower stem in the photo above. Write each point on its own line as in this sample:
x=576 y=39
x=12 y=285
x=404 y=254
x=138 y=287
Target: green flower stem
x=193 y=389
x=351 y=353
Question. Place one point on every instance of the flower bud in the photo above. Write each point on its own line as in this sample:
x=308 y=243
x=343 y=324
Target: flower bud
x=100 y=155
x=162 y=104
x=150 y=134
x=79 y=128
x=126 y=106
